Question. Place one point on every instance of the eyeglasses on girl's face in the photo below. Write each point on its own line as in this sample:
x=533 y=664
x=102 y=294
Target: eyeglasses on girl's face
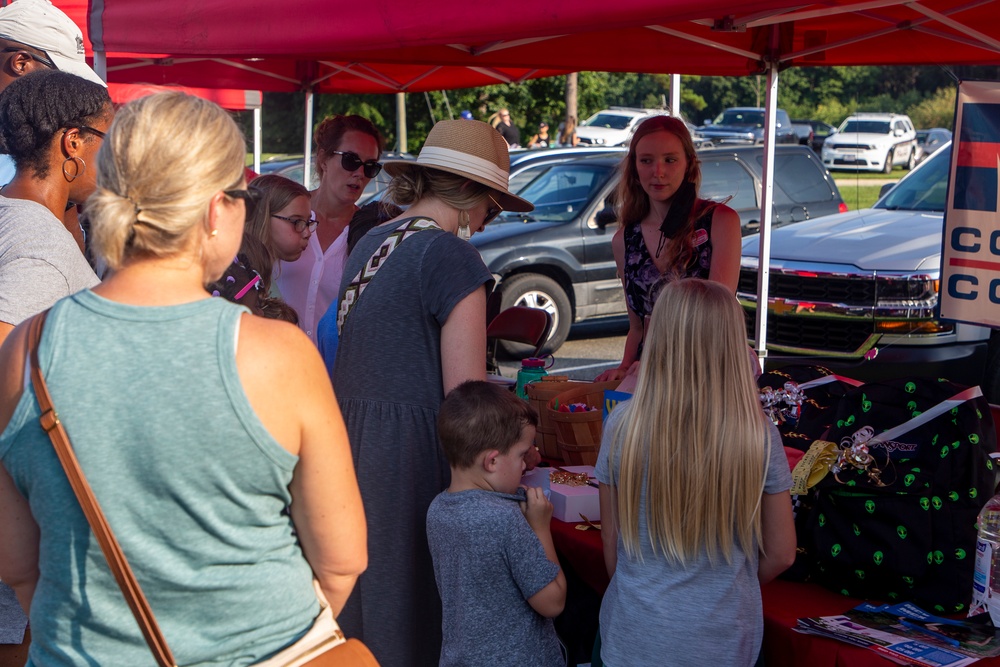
x=250 y=197
x=350 y=161
x=301 y=224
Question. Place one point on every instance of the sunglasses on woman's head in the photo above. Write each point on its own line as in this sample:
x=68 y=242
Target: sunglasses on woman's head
x=492 y=212
x=250 y=197
x=350 y=161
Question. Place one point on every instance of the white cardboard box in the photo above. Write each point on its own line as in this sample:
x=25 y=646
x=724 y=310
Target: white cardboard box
x=568 y=502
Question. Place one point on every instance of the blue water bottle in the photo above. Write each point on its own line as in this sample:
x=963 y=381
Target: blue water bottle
x=532 y=370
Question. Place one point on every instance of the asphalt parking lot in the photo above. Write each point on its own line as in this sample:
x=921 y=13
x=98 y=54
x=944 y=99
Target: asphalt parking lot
x=593 y=347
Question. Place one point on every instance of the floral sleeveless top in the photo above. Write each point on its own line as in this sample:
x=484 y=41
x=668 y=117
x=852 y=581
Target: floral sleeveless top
x=643 y=281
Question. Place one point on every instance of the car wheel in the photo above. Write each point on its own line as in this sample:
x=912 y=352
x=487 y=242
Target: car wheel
x=537 y=291
x=887 y=169
x=912 y=162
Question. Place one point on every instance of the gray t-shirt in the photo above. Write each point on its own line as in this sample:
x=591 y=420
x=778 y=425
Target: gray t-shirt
x=40 y=261
x=700 y=613
x=487 y=563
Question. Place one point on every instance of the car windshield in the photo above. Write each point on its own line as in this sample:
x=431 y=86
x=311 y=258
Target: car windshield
x=612 y=121
x=924 y=189
x=561 y=191
x=738 y=117
x=867 y=126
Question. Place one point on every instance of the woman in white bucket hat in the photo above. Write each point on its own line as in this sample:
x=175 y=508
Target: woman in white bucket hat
x=413 y=326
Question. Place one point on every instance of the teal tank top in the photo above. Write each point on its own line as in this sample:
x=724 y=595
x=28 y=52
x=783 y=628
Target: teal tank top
x=194 y=487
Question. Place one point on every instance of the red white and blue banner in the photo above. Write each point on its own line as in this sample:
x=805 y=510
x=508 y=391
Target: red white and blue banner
x=970 y=266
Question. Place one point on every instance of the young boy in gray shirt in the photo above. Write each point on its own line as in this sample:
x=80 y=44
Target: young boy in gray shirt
x=494 y=560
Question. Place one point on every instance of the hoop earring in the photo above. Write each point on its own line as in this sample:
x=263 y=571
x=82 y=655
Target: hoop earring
x=79 y=170
x=464 y=232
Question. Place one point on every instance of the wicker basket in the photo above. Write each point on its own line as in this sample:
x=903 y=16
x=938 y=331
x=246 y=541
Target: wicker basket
x=578 y=434
x=539 y=394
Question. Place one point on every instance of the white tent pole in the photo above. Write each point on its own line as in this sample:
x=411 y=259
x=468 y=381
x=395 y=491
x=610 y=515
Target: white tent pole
x=401 y=121
x=675 y=95
x=101 y=64
x=307 y=171
x=256 y=139
x=766 y=208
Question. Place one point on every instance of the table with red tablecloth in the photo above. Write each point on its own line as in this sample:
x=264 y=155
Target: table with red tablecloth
x=784 y=602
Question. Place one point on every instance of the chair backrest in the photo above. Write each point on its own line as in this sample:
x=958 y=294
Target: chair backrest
x=521 y=324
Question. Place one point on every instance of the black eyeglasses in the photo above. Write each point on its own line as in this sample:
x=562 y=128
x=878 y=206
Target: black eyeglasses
x=301 y=224
x=351 y=161
x=492 y=212
x=250 y=197
x=37 y=58
x=94 y=131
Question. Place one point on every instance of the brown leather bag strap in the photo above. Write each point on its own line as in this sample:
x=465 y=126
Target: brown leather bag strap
x=95 y=517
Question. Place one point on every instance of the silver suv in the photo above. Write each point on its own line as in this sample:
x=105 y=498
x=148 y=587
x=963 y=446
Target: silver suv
x=859 y=292
x=872 y=142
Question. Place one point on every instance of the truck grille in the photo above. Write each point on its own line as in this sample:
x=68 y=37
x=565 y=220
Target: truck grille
x=846 y=291
x=812 y=333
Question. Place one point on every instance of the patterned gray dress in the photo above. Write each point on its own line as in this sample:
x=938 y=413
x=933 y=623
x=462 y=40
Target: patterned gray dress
x=388 y=382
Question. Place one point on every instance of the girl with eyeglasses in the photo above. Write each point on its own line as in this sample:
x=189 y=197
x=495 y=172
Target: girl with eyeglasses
x=226 y=478
x=281 y=218
x=347 y=152
x=52 y=125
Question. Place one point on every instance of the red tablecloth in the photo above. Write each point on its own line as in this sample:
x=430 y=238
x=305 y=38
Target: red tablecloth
x=784 y=602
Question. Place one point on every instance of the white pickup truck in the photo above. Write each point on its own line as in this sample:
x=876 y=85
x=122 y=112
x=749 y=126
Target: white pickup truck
x=858 y=292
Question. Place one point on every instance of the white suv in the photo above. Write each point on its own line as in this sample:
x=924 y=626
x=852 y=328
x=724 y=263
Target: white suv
x=872 y=142
x=612 y=127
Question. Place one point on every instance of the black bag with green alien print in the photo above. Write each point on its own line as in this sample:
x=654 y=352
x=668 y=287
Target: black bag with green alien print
x=896 y=518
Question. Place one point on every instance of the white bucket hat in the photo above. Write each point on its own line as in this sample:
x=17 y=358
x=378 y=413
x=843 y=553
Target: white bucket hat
x=468 y=148
x=43 y=26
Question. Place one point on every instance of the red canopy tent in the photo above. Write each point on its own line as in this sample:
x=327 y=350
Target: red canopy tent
x=721 y=37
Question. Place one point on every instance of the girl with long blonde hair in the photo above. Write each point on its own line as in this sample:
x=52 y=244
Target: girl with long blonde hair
x=694 y=492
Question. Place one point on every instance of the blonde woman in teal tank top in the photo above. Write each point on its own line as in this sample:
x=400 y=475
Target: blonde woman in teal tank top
x=212 y=438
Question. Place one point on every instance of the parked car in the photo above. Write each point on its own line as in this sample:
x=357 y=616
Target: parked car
x=558 y=257
x=612 y=127
x=872 y=142
x=804 y=133
x=858 y=293
x=821 y=130
x=745 y=125
x=930 y=140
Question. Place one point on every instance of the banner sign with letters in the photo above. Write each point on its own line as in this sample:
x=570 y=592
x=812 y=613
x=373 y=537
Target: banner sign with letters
x=970 y=265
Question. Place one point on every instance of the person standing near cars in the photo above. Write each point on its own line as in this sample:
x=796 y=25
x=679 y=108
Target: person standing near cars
x=542 y=139
x=667 y=233
x=509 y=132
x=348 y=149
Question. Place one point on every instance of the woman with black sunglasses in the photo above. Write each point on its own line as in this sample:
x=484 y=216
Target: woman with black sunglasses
x=347 y=152
x=52 y=125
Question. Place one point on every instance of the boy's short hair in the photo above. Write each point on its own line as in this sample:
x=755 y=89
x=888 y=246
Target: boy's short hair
x=479 y=416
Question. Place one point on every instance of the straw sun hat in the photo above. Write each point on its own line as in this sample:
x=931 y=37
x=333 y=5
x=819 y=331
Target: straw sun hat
x=468 y=148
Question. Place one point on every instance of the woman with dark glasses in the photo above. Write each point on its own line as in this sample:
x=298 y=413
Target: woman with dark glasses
x=347 y=153
x=52 y=125
x=416 y=331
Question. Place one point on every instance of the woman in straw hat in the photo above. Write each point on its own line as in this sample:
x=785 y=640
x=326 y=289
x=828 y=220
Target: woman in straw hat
x=417 y=330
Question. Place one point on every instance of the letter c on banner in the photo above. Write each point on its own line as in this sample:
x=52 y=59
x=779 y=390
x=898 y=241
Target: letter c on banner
x=956 y=239
x=953 y=287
